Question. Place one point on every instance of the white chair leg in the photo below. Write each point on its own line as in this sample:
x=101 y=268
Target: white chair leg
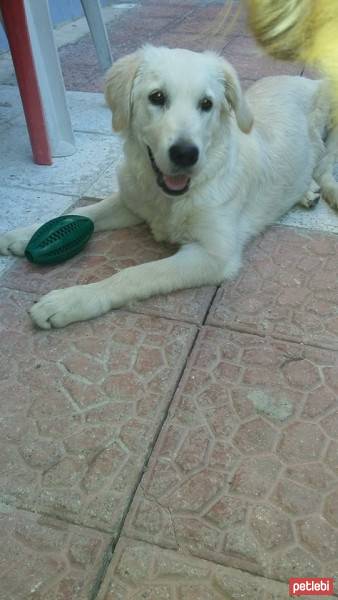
x=93 y=13
x=50 y=78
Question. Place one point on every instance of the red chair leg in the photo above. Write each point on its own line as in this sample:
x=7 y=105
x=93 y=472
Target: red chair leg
x=14 y=18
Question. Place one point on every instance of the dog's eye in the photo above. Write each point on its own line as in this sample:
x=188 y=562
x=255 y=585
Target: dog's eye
x=206 y=104
x=157 y=98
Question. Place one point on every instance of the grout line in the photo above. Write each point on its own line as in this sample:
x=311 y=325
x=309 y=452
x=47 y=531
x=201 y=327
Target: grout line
x=204 y=322
x=281 y=338
x=92 y=132
x=197 y=557
x=39 y=190
x=166 y=317
x=94 y=181
x=225 y=327
x=42 y=513
x=157 y=433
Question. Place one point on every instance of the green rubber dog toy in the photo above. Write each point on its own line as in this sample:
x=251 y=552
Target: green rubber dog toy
x=59 y=239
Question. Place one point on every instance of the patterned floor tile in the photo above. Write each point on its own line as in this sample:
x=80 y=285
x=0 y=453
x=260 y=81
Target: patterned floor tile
x=106 y=254
x=251 y=62
x=197 y=25
x=80 y=409
x=43 y=558
x=287 y=288
x=245 y=471
x=128 y=31
x=143 y=571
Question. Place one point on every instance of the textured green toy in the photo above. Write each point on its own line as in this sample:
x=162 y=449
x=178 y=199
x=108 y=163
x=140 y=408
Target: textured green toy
x=59 y=239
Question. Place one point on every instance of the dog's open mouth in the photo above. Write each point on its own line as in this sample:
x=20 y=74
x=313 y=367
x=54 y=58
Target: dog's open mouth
x=173 y=185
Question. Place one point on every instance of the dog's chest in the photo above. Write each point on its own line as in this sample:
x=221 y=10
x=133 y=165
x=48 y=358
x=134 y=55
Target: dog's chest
x=170 y=219
x=174 y=223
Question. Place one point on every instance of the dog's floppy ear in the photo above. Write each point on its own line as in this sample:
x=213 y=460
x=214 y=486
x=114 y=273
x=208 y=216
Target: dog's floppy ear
x=236 y=99
x=118 y=89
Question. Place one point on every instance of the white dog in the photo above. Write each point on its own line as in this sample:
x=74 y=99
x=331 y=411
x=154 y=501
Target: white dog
x=205 y=166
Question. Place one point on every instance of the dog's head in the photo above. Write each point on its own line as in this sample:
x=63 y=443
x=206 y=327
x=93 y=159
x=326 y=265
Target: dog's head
x=175 y=102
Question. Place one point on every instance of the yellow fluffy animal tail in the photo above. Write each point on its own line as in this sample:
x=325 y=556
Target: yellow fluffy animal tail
x=302 y=30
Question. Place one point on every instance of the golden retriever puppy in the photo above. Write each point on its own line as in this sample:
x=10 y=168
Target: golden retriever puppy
x=204 y=165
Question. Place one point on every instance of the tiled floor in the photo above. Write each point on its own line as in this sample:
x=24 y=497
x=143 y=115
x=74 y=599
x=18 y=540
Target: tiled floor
x=141 y=570
x=37 y=549
x=244 y=472
x=80 y=412
x=184 y=448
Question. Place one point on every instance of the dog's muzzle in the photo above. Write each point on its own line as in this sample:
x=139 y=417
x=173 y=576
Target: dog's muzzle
x=173 y=185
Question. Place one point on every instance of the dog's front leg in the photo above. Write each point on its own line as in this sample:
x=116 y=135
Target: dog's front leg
x=106 y=214
x=191 y=266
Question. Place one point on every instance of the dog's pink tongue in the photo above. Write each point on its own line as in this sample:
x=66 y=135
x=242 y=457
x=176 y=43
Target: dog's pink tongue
x=177 y=182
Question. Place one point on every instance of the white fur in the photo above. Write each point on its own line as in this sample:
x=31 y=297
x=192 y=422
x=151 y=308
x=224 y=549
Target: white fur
x=246 y=177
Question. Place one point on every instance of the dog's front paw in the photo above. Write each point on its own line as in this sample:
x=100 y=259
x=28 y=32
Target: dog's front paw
x=15 y=242
x=61 y=307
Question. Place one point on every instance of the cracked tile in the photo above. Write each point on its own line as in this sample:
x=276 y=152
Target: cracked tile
x=244 y=472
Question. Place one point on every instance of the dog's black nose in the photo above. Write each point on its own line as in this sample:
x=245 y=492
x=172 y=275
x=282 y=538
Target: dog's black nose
x=183 y=154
